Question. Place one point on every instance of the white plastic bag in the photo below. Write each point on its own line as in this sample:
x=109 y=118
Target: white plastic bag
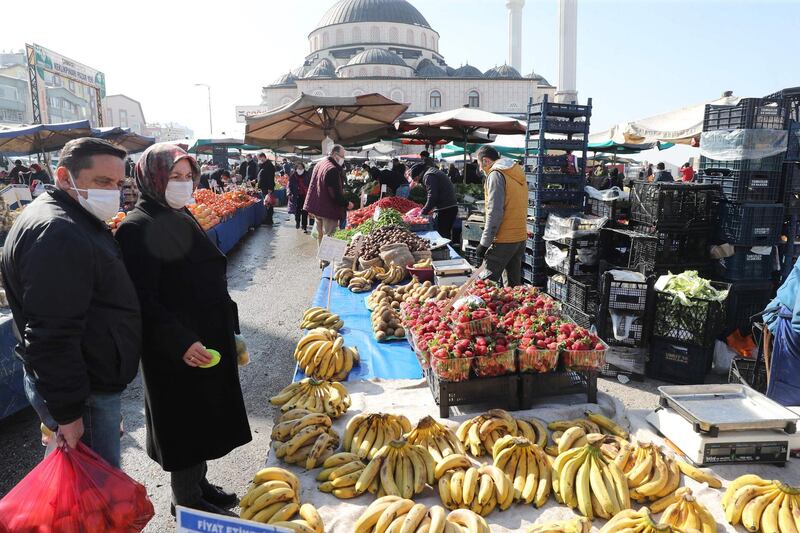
x=733 y=145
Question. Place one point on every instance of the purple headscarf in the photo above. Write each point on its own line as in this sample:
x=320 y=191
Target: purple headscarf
x=153 y=169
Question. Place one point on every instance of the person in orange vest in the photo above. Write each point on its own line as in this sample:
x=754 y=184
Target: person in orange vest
x=502 y=243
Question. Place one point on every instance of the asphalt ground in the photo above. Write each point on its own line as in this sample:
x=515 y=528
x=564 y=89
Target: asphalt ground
x=272 y=275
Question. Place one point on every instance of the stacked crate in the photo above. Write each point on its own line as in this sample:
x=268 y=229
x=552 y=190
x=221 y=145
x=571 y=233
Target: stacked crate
x=755 y=196
x=471 y=232
x=555 y=180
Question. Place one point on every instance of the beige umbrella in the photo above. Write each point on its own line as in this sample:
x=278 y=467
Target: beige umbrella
x=309 y=120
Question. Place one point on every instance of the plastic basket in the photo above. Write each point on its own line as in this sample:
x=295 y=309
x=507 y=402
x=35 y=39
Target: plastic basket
x=494 y=365
x=625 y=361
x=750 y=224
x=613 y=210
x=673 y=205
x=793 y=148
x=680 y=363
x=750 y=113
x=697 y=324
x=748 y=372
x=747 y=299
x=628 y=296
x=584 y=360
x=552 y=124
x=472 y=230
x=482 y=326
x=452 y=370
x=495 y=392
x=638 y=332
x=585 y=320
x=558 y=109
x=543 y=385
x=582 y=296
x=537 y=360
x=667 y=247
x=755 y=186
x=745 y=265
x=573 y=197
x=557 y=288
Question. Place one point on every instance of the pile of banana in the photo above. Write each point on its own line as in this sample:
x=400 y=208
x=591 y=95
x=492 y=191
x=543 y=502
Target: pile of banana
x=480 y=433
x=526 y=464
x=480 y=489
x=274 y=498
x=366 y=433
x=639 y=521
x=393 y=276
x=576 y=525
x=304 y=438
x=358 y=280
x=770 y=506
x=394 y=514
x=651 y=474
x=319 y=317
x=315 y=396
x=339 y=474
x=686 y=513
x=321 y=354
x=584 y=479
x=576 y=436
x=397 y=469
x=439 y=439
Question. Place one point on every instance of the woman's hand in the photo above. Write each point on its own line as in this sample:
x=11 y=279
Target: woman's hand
x=196 y=355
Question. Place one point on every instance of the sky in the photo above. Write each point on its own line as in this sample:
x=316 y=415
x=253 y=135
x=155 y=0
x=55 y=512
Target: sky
x=636 y=58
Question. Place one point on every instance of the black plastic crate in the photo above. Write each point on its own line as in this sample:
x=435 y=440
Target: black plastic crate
x=501 y=390
x=764 y=164
x=557 y=288
x=625 y=361
x=636 y=336
x=471 y=255
x=667 y=247
x=750 y=224
x=681 y=206
x=558 y=109
x=746 y=299
x=614 y=210
x=750 y=113
x=553 y=124
x=750 y=372
x=580 y=261
x=793 y=148
x=790 y=185
x=745 y=265
x=472 y=230
x=753 y=186
x=534 y=163
x=534 y=245
x=583 y=319
x=575 y=145
x=678 y=362
x=583 y=296
x=573 y=197
x=697 y=324
x=544 y=181
x=557 y=383
x=626 y=296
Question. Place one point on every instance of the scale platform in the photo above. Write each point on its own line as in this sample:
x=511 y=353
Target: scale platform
x=725 y=424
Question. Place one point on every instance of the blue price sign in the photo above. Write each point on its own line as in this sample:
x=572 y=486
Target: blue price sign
x=191 y=521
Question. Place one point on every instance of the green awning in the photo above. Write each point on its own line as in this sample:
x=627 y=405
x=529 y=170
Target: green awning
x=611 y=147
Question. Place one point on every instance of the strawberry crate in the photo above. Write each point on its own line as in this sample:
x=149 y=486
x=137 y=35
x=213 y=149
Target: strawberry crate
x=542 y=385
x=494 y=392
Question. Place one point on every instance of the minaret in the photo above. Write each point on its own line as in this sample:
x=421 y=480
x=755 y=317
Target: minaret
x=567 y=51
x=515 y=33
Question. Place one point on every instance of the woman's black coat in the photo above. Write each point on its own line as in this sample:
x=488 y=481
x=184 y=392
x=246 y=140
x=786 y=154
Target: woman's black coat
x=193 y=414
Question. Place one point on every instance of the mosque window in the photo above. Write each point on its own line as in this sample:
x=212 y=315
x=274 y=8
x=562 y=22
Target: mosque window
x=376 y=71
x=325 y=42
x=393 y=35
x=410 y=36
x=424 y=40
x=474 y=99
x=397 y=95
x=358 y=92
x=340 y=36
x=435 y=100
x=362 y=72
x=391 y=72
x=356 y=35
x=375 y=34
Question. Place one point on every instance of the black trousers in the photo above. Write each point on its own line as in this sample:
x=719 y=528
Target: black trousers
x=444 y=221
x=187 y=484
x=301 y=216
x=270 y=209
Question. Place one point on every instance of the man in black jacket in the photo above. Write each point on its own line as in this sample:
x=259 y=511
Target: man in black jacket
x=252 y=168
x=75 y=309
x=441 y=197
x=266 y=182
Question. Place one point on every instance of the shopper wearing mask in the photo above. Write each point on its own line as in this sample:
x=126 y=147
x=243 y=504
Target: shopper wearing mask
x=75 y=308
x=441 y=197
x=193 y=414
x=298 y=188
x=325 y=199
x=266 y=182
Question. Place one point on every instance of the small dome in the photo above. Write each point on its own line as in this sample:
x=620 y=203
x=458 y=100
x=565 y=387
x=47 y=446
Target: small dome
x=287 y=79
x=427 y=69
x=377 y=56
x=450 y=70
x=398 y=11
x=503 y=71
x=323 y=69
x=538 y=78
x=467 y=71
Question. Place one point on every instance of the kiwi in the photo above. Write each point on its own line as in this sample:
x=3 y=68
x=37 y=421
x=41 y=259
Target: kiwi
x=380 y=335
x=399 y=332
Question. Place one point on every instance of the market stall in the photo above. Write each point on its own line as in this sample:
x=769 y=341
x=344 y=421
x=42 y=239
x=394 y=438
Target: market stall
x=12 y=393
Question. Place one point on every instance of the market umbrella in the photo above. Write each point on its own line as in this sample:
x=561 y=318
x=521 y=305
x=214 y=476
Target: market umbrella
x=41 y=138
x=611 y=147
x=206 y=146
x=124 y=137
x=310 y=120
x=425 y=135
x=466 y=121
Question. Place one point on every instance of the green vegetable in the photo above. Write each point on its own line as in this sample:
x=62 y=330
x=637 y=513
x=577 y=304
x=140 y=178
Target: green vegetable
x=688 y=285
x=387 y=217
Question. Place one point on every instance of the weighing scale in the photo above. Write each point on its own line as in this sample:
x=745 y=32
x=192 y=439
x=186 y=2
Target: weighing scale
x=725 y=424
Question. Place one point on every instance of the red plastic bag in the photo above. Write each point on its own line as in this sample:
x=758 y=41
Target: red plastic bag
x=270 y=200
x=75 y=491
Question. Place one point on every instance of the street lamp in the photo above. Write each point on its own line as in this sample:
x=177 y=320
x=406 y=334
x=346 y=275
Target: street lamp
x=210 y=126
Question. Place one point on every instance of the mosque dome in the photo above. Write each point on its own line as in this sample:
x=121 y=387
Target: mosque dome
x=467 y=71
x=427 y=69
x=538 y=78
x=323 y=69
x=397 y=11
x=377 y=56
x=287 y=79
x=503 y=72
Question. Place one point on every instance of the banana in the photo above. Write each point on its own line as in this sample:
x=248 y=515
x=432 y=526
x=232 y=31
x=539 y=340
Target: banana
x=299 y=526
x=698 y=475
x=607 y=424
x=272 y=497
x=393 y=511
x=369 y=518
x=265 y=514
x=285 y=513
x=470 y=521
x=576 y=525
x=310 y=514
x=569 y=438
x=583 y=493
x=413 y=518
x=277 y=474
x=259 y=490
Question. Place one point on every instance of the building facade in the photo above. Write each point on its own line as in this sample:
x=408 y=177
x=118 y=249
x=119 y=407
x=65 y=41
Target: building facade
x=125 y=112
x=170 y=131
x=388 y=47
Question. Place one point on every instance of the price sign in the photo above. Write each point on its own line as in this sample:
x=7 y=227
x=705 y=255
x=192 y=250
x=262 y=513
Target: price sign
x=331 y=250
x=479 y=273
x=192 y=521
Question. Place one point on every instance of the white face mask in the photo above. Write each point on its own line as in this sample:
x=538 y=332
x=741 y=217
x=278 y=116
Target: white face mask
x=102 y=203
x=339 y=160
x=300 y=171
x=178 y=193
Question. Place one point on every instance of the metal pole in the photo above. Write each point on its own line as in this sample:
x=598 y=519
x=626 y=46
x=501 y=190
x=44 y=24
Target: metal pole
x=210 y=124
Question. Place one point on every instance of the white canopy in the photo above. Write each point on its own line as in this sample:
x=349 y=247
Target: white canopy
x=679 y=126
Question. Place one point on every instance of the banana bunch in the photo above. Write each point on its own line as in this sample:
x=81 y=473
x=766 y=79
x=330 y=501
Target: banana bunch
x=526 y=464
x=576 y=436
x=479 y=434
x=321 y=354
x=639 y=521
x=439 y=439
x=686 y=513
x=343 y=276
x=584 y=479
x=426 y=263
x=770 y=506
x=366 y=433
x=395 y=514
x=274 y=496
x=607 y=426
x=339 y=474
x=576 y=525
x=562 y=425
x=479 y=489
x=651 y=474
x=329 y=397
x=397 y=469
x=319 y=317
x=304 y=438
x=393 y=276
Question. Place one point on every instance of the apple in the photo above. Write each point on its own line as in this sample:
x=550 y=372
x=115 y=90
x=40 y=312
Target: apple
x=215 y=357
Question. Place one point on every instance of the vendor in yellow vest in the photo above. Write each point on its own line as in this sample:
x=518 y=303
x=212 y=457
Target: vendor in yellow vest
x=502 y=244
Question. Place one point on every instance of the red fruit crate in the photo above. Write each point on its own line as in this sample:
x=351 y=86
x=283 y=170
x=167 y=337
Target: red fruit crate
x=539 y=361
x=584 y=360
x=454 y=369
x=494 y=365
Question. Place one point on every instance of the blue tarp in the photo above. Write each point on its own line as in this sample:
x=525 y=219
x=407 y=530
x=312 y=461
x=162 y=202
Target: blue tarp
x=12 y=394
x=386 y=360
x=227 y=234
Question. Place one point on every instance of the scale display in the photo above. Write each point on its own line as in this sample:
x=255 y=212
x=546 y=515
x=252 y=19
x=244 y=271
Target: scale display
x=745 y=452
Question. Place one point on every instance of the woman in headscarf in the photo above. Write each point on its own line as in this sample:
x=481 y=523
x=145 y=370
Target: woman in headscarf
x=299 y=180
x=194 y=412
